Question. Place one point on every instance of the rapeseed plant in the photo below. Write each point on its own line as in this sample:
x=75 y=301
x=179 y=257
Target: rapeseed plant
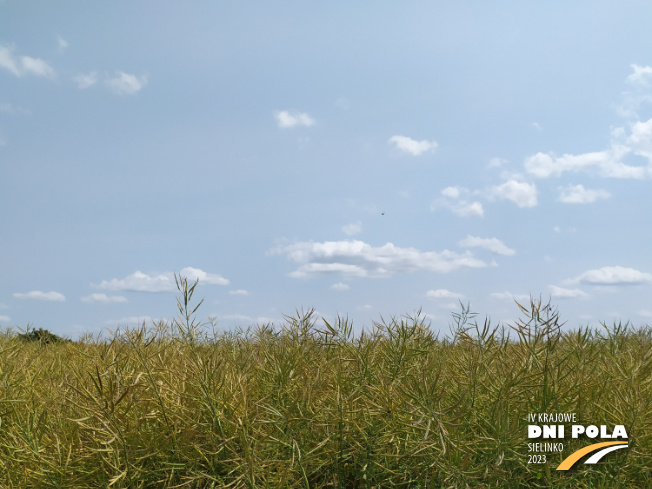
x=297 y=405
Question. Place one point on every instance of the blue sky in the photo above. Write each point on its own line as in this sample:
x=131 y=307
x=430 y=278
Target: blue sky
x=363 y=159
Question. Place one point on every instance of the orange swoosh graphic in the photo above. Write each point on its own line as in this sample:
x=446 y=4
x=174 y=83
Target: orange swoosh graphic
x=575 y=456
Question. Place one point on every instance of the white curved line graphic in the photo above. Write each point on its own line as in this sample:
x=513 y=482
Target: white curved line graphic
x=595 y=458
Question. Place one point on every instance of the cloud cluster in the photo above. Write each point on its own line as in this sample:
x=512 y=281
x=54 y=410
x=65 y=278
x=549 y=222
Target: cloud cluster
x=454 y=199
x=411 y=146
x=561 y=293
x=523 y=194
x=141 y=282
x=286 y=119
x=640 y=140
x=492 y=244
x=126 y=84
x=239 y=292
x=443 y=294
x=641 y=75
x=607 y=163
x=632 y=100
x=577 y=194
x=121 y=83
x=84 y=81
x=103 y=299
x=24 y=65
x=359 y=259
x=41 y=296
x=616 y=275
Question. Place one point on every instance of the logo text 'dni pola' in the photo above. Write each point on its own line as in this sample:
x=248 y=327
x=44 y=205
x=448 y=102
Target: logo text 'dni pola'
x=618 y=435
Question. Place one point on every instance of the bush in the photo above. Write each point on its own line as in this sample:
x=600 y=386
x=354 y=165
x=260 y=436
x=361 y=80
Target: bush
x=42 y=336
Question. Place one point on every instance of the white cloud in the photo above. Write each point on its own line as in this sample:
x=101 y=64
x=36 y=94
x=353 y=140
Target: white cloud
x=339 y=286
x=561 y=293
x=36 y=67
x=508 y=296
x=193 y=274
x=606 y=163
x=8 y=62
x=359 y=259
x=492 y=244
x=521 y=193
x=640 y=139
x=5 y=319
x=239 y=292
x=24 y=65
x=103 y=298
x=353 y=228
x=639 y=79
x=577 y=194
x=641 y=75
x=631 y=103
x=452 y=200
x=41 y=296
x=467 y=209
x=286 y=119
x=330 y=268
x=443 y=294
x=613 y=276
x=126 y=84
x=62 y=44
x=85 y=80
x=452 y=192
x=141 y=282
x=411 y=146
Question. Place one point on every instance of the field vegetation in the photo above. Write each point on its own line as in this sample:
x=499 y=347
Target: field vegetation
x=306 y=404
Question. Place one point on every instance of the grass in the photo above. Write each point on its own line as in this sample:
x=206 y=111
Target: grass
x=179 y=405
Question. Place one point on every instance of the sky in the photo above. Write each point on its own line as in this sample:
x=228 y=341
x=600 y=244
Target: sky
x=367 y=160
